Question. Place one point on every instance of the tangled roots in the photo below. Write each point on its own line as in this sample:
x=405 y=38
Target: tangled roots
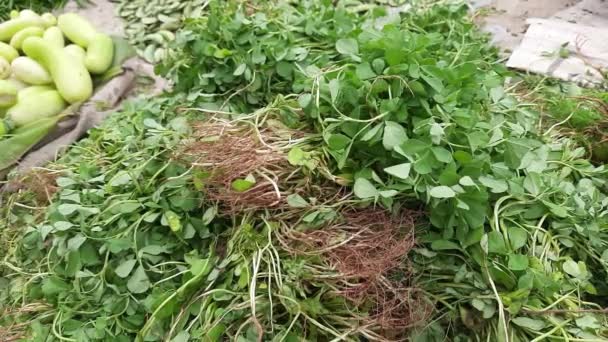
x=11 y=329
x=368 y=250
x=41 y=182
x=227 y=152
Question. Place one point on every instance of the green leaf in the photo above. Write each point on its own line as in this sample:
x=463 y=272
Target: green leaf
x=364 y=71
x=296 y=156
x=436 y=133
x=76 y=241
x=222 y=53
x=496 y=243
x=442 y=154
x=139 y=282
x=378 y=65
x=605 y=255
x=67 y=209
x=497 y=93
x=338 y=141
x=533 y=184
x=577 y=270
x=400 y=171
x=364 y=189
x=242 y=185
x=62 y=226
x=54 y=285
x=240 y=69
x=495 y=185
x=466 y=181
x=388 y=193
x=209 y=215
x=442 y=191
x=153 y=250
x=588 y=322
x=369 y=135
x=183 y=336
x=214 y=334
x=435 y=83
x=440 y=245
x=518 y=262
x=529 y=323
x=124 y=269
x=334 y=89
x=347 y=46
x=526 y=282
x=296 y=201
x=305 y=100
x=121 y=178
x=518 y=237
x=394 y=135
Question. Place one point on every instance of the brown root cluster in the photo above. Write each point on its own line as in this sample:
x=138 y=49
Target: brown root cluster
x=16 y=331
x=227 y=152
x=368 y=249
x=42 y=183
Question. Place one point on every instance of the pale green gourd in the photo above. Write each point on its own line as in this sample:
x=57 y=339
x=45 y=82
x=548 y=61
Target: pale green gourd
x=70 y=76
x=22 y=35
x=54 y=35
x=76 y=28
x=99 y=54
x=31 y=72
x=33 y=90
x=36 y=106
x=8 y=94
x=9 y=28
x=8 y=52
x=76 y=51
x=5 y=68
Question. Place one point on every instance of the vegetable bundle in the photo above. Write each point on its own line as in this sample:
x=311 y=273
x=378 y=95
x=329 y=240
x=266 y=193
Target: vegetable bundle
x=417 y=110
x=275 y=194
x=40 y=76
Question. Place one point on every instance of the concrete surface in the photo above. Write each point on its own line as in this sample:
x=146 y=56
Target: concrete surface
x=506 y=19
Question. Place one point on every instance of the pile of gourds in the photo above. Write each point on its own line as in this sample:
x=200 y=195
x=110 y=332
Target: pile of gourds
x=46 y=64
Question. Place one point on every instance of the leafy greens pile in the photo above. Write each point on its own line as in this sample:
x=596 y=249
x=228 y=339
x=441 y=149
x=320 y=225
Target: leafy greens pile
x=416 y=108
x=407 y=110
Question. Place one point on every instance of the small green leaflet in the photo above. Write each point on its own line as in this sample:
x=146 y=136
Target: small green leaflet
x=466 y=181
x=496 y=243
x=296 y=201
x=440 y=245
x=577 y=270
x=242 y=185
x=347 y=46
x=139 y=282
x=124 y=269
x=364 y=189
x=400 y=171
x=518 y=262
x=517 y=237
x=532 y=324
x=394 y=135
x=442 y=191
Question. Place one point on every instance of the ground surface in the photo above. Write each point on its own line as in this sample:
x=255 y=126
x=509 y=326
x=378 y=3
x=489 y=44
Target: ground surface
x=101 y=13
x=506 y=19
